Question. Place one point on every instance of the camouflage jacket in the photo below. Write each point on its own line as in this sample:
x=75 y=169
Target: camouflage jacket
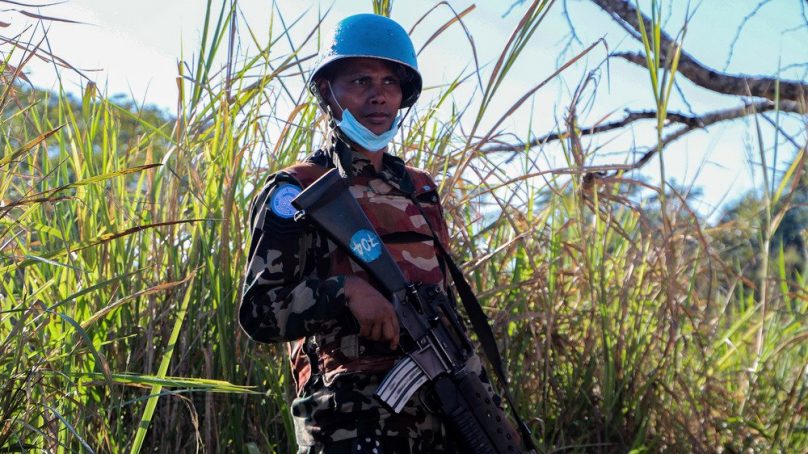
x=294 y=292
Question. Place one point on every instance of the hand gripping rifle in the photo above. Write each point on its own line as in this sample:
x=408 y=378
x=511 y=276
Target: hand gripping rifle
x=432 y=337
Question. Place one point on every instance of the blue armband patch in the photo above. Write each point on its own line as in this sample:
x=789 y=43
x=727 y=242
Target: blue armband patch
x=280 y=201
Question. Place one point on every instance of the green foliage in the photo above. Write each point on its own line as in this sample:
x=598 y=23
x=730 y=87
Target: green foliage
x=383 y=7
x=741 y=224
x=123 y=232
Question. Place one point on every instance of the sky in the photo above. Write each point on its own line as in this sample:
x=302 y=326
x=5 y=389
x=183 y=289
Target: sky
x=133 y=47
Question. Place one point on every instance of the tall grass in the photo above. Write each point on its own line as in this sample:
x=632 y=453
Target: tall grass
x=122 y=234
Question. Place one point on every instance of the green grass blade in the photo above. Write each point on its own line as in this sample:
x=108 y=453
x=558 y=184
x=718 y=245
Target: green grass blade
x=151 y=404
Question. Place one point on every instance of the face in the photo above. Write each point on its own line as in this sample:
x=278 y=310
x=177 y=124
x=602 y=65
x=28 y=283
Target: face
x=369 y=88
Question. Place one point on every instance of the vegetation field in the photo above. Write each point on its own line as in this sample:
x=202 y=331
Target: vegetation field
x=629 y=322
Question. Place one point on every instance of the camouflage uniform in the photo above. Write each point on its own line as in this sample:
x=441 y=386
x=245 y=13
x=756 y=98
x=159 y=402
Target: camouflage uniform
x=294 y=292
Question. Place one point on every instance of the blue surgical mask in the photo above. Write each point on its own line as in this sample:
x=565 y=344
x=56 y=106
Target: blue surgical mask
x=363 y=136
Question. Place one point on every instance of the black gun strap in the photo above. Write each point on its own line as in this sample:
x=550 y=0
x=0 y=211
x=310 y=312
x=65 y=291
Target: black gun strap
x=481 y=326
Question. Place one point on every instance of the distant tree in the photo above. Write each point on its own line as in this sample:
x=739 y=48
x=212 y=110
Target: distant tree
x=135 y=120
x=739 y=235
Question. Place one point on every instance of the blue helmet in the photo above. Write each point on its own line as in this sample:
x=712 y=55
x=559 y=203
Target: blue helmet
x=372 y=36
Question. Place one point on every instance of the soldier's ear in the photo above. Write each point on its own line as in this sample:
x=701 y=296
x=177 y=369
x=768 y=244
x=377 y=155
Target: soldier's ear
x=328 y=100
x=322 y=87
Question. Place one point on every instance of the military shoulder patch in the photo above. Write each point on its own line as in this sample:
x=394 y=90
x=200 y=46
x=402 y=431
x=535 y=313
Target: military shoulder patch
x=280 y=201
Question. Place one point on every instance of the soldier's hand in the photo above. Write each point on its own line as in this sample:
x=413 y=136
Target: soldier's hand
x=377 y=318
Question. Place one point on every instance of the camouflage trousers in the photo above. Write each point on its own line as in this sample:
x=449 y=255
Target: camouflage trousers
x=381 y=445
x=344 y=416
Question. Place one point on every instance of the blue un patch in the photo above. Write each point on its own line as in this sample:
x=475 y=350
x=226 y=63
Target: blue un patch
x=366 y=245
x=280 y=201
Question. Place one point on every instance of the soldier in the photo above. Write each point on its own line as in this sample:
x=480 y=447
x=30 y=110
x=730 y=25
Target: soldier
x=301 y=288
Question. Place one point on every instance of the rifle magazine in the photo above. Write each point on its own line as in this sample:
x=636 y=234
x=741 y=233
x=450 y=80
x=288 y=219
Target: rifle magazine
x=401 y=383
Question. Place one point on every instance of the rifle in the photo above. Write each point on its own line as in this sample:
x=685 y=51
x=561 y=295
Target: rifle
x=432 y=337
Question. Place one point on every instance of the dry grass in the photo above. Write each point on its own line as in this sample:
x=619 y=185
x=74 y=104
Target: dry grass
x=122 y=237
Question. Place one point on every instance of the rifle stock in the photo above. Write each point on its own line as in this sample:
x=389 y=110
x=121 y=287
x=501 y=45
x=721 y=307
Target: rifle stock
x=328 y=203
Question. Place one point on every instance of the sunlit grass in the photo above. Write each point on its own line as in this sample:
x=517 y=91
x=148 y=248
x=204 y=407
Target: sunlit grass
x=123 y=236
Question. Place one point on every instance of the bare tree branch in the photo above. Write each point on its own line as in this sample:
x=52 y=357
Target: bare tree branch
x=705 y=120
x=689 y=122
x=30 y=5
x=740 y=30
x=793 y=96
x=624 y=12
x=804 y=14
x=566 y=14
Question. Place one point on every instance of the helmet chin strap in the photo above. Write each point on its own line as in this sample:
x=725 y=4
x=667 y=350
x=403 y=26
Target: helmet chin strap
x=401 y=122
x=334 y=97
